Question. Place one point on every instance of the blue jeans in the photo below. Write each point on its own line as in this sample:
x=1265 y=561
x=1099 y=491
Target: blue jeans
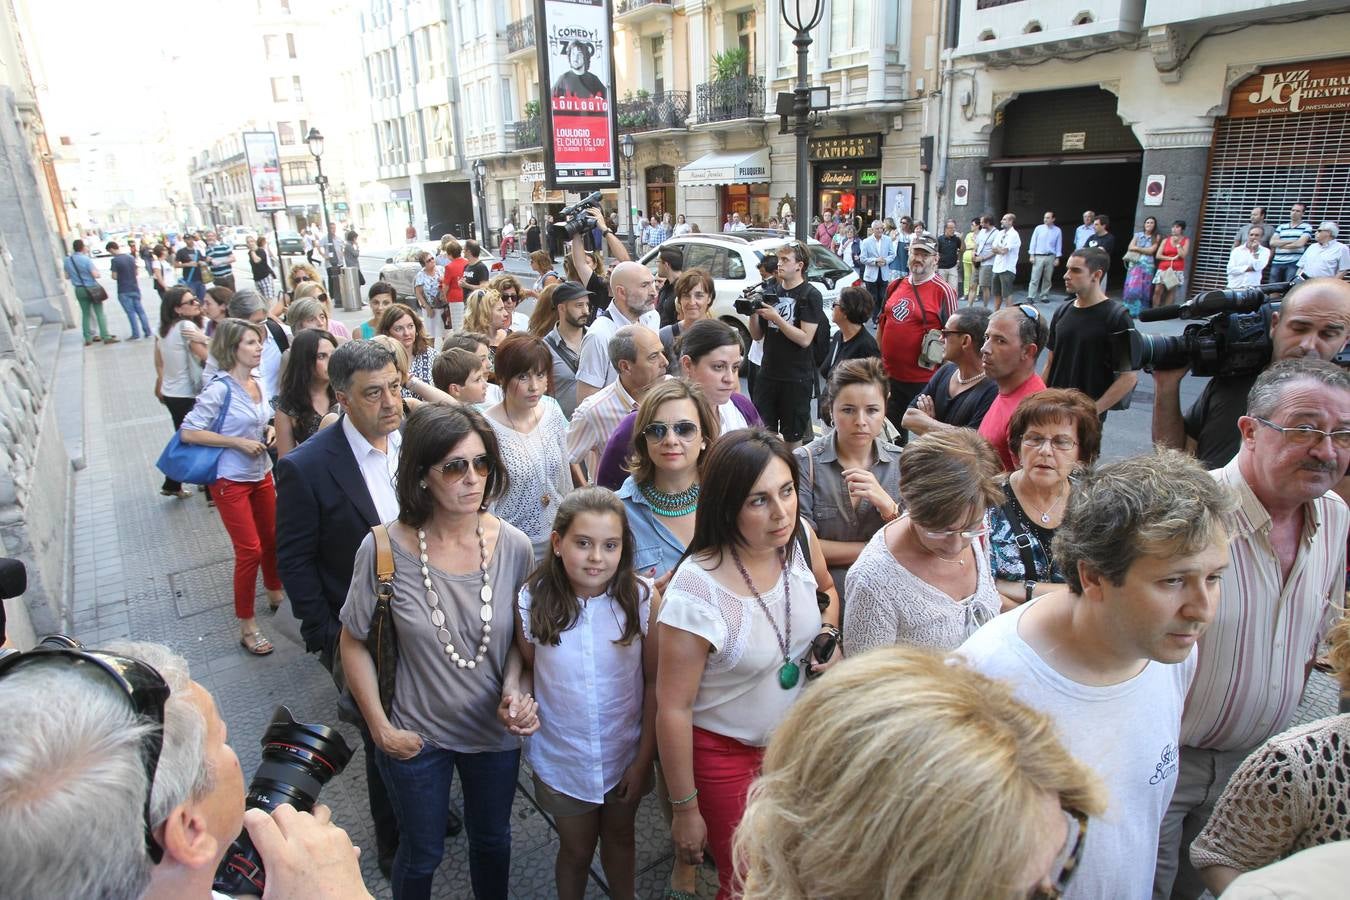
x=131 y=305
x=420 y=791
x=1280 y=272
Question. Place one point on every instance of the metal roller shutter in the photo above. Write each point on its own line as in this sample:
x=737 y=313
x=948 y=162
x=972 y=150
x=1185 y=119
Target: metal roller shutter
x=1269 y=161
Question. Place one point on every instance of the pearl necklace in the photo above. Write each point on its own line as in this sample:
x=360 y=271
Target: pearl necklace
x=438 y=615
x=965 y=381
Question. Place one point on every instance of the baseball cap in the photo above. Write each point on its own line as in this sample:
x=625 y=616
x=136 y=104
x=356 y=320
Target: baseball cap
x=569 y=291
x=924 y=242
x=1330 y=226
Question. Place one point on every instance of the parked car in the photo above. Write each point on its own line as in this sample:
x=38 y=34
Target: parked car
x=238 y=235
x=401 y=266
x=289 y=243
x=732 y=258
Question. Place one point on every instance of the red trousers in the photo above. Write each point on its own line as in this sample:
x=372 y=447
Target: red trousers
x=723 y=771
x=248 y=510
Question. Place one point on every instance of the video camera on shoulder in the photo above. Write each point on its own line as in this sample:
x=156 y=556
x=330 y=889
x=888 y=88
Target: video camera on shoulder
x=1230 y=337
x=766 y=293
x=581 y=219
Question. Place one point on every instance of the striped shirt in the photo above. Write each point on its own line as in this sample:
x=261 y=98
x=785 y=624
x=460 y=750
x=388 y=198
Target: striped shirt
x=219 y=258
x=595 y=419
x=1254 y=657
x=1291 y=232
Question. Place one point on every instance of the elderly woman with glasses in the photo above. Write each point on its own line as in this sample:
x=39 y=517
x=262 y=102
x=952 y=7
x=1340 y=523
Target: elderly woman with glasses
x=1052 y=434
x=458 y=705
x=966 y=793
x=924 y=579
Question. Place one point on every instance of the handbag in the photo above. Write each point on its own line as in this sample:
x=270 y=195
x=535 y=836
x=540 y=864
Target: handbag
x=1132 y=257
x=95 y=292
x=381 y=640
x=195 y=463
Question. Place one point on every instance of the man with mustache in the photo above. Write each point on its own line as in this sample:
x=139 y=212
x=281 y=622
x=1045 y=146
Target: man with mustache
x=1280 y=597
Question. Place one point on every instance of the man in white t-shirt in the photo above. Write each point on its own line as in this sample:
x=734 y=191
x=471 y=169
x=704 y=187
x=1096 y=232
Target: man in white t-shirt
x=633 y=289
x=1143 y=546
x=1007 y=246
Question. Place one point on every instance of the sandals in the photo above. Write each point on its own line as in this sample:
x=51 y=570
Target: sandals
x=181 y=493
x=256 y=642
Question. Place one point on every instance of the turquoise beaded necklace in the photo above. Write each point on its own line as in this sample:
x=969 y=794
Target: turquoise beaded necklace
x=670 y=505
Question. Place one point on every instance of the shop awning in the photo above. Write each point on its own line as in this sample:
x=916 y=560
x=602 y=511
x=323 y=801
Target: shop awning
x=729 y=167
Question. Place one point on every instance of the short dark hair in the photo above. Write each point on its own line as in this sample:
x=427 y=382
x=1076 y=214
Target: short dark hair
x=77 y=246
x=1104 y=219
x=973 y=321
x=1055 y=405
x=519 y=353
x=856 y=302
x=110 y=246
x=685 y=284
x=472 y=249
x=769 y=263
x=356 y=356
x=454 y=366
x=859 y=371
x=1095 y=258
x=705 y=336
x=1260 y=209
x=673 y=257
x=431 y=432
x=381 y=287
x=1030 y=329
x=1181 y=222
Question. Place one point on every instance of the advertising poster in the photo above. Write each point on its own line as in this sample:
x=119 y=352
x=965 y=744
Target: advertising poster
x=897 y=201
x=580 y=124
x=264 y=170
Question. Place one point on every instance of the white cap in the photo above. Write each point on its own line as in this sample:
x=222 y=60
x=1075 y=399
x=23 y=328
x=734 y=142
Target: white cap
x=1329 y=225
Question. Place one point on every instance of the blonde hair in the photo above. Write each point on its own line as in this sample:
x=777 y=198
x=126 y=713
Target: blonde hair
x=478 y=308
x=400 y=354
x=307 y=289
x=545 y=315
x=944 y=473
x=228 y=335
x=926 y=774
x=306 y=270
x=1338 y=639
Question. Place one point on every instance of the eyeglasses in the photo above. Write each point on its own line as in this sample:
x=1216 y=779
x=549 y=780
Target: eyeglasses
x=951 y=332
x=1307 y=436
x=456 y=469
x=966 y=535
x=684 y=430
x=189 y=301
x=143 y=687
x=1066 y=863
x=1059 y=441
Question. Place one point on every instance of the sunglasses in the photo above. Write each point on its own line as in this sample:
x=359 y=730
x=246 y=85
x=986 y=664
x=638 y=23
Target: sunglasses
x=143 y=687
x=1066 y=863
x=456 y=469
x=684 y=430
x=1029 y=311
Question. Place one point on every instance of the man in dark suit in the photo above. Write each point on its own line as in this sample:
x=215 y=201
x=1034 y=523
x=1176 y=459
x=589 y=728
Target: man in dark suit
x=331 y=490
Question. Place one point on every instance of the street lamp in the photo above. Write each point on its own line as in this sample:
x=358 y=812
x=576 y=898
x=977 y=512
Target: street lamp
x=480 y=176
x=315 y=141
x=628 y=147
x=802 y=16
x=211 y=201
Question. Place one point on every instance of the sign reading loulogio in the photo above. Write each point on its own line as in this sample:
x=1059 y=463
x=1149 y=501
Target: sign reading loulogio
x=576 y=60
x=263 y=159
x=1319 y=86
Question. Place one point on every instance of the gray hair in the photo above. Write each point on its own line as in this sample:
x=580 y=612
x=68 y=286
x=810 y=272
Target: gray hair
x=623 y=346
x=245 y=303
x=1267 y=394
x=1163 y=503
x=225 y=342
x=306 y=309
x=356 y=356
x=72 y=779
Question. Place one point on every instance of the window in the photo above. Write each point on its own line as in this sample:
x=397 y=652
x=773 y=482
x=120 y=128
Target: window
x=298 y=94
x=290 y=46
x=508 y=98
x=438 y=132
x=279 y=94
x=272 y=46
x=849 y=22
x=304 y=130
x=294 y=173
x=658 y=55
x=285 y=133
x=745 y=37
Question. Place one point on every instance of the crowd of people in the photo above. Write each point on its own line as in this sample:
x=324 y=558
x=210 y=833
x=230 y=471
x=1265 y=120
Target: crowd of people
x=609 y=561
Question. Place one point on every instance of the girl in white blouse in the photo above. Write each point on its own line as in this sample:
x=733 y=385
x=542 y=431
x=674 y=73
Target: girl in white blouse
x=581 y=631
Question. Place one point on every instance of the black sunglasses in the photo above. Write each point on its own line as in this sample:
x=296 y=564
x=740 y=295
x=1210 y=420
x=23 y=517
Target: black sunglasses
x=684 y=430
x=456 y=469
x=144 y=688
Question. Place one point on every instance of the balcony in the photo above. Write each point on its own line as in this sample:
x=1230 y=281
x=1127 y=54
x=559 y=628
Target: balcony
x=1004 y=32
x=524 y=135
x=634 y=12
x=653 y=112
x=520 y=37
x=729 y=99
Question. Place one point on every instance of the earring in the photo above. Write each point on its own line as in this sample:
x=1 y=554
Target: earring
x=422 y=485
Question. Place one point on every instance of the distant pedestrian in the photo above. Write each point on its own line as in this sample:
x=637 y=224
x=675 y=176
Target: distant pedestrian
x=1326 y=258
x=875 y=251
x=1141 y=266
x=261 y=264
x=330 y=247
x=1047 y=247
x=681 y=226
x=351 y=254
x=916 y=309
x=984 y=259
x=1084 y=231
x=161 y=270
x=1171 y=278
x=532 y=242
x=123 y=265
x=83 y=275
x=180 y=353
x=1006 y=247
x=1102 y=239
x=949 y=255
x=145 y=253
x=1258 y=217
x=508 y=245
x=221 y=259
x=476 y=273
x=1288 y=244
x=1248 y=260
x=190 y=264
x=969 y=282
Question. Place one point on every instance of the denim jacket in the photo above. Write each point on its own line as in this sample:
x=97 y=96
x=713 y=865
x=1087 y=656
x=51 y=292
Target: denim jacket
x=656 y=549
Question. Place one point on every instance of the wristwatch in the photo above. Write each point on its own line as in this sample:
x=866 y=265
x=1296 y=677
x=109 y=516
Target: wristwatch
x=1031 y=588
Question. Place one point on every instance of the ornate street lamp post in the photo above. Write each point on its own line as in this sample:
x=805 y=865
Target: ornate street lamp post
x=802 y=16
x=628 y=147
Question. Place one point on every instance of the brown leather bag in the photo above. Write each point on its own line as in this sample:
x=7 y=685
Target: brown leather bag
x=381 y=639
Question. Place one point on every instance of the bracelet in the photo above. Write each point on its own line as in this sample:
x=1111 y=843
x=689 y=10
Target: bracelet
x=689 y=799
x=827 y=628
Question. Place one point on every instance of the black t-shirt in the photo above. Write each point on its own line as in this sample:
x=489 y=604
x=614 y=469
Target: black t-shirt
x=1083 y=346
x=192 y=274
x=665 y=303
x=967 y=409
x=862 y=346
x=1106 y=242
x=599 y=289
x=263 y=268
x=785 y=360
x=949 y=251
x=477 y=273
x=1212 y=421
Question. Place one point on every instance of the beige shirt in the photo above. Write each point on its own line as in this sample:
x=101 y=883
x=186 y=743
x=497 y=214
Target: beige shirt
x=1314 y=874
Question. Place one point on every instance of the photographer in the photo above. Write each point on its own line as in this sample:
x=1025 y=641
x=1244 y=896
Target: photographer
x=73 y=783
x=1313 y=321
x=787 y=324
x=586 y=273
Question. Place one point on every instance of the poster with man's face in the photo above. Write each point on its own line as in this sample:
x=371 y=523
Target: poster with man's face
x=577 y=59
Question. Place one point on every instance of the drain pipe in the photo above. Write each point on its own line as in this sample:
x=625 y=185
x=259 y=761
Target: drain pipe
x=950 y=36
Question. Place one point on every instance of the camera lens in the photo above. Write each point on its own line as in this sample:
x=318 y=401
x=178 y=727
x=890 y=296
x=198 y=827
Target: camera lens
x=297 y=760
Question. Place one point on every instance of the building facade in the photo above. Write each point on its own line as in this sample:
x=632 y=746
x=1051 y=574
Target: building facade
x=1182 y=110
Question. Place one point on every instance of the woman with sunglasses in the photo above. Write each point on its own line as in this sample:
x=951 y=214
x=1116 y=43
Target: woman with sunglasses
x=851 y=474
x=180 y=354
x=315 y=291
x=1053 y=434
x=532 y=432
x=458 y=705
x=924 y=579
x=508 y=288
x=736 y=634
x=933 y=780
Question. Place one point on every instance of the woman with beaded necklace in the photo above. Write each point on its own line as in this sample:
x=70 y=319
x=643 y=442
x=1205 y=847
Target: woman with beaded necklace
x=458 y=703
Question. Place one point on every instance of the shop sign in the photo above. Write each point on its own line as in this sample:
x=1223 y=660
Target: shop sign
x=1318 y=86
x=869 y=178
x=852 y=146
x=1073 y=140
x=836 y=178
x=400 y=195
x=531 y=172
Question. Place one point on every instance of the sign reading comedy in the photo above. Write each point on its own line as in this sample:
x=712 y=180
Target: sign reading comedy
x=264 y=170
x=576 y=60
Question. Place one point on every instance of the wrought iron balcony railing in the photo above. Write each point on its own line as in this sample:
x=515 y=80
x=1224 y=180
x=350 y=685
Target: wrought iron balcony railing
x=668 y=109
x=741 y=97
x=520 y=35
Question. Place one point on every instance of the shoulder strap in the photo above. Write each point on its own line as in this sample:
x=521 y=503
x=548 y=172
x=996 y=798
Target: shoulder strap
x=564 y=352
x=384 y=559
x=1022 y=536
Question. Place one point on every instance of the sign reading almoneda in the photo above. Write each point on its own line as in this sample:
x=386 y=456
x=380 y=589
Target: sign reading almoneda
x=576 y=62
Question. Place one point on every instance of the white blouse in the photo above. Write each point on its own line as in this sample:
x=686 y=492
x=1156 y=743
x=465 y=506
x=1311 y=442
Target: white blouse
x=589 y=689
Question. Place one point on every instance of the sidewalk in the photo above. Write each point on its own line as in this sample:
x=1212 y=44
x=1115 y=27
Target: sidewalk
x=159 y=569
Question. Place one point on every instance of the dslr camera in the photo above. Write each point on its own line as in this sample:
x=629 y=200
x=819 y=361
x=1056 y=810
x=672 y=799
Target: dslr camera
x=1229 y=335
x=766 y=293
x=581 y=219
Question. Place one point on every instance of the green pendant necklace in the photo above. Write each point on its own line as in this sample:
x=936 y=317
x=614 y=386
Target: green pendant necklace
x=789 y=673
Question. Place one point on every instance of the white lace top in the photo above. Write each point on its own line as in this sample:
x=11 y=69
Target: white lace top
x=886 y=604
x=740 y=696
x=536 y=465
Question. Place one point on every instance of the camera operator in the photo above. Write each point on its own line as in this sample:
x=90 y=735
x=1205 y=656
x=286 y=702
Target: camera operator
x=586 y=274
x=73 y=783
x=782 y=391
x=1313 y=321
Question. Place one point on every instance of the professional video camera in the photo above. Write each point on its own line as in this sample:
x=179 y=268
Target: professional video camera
x=766 y=293
x=1230 y=338
x=580 y=219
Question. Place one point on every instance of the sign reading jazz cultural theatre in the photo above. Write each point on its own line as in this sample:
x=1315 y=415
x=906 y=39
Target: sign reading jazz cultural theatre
x=576 y=61
x=1291 y=88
